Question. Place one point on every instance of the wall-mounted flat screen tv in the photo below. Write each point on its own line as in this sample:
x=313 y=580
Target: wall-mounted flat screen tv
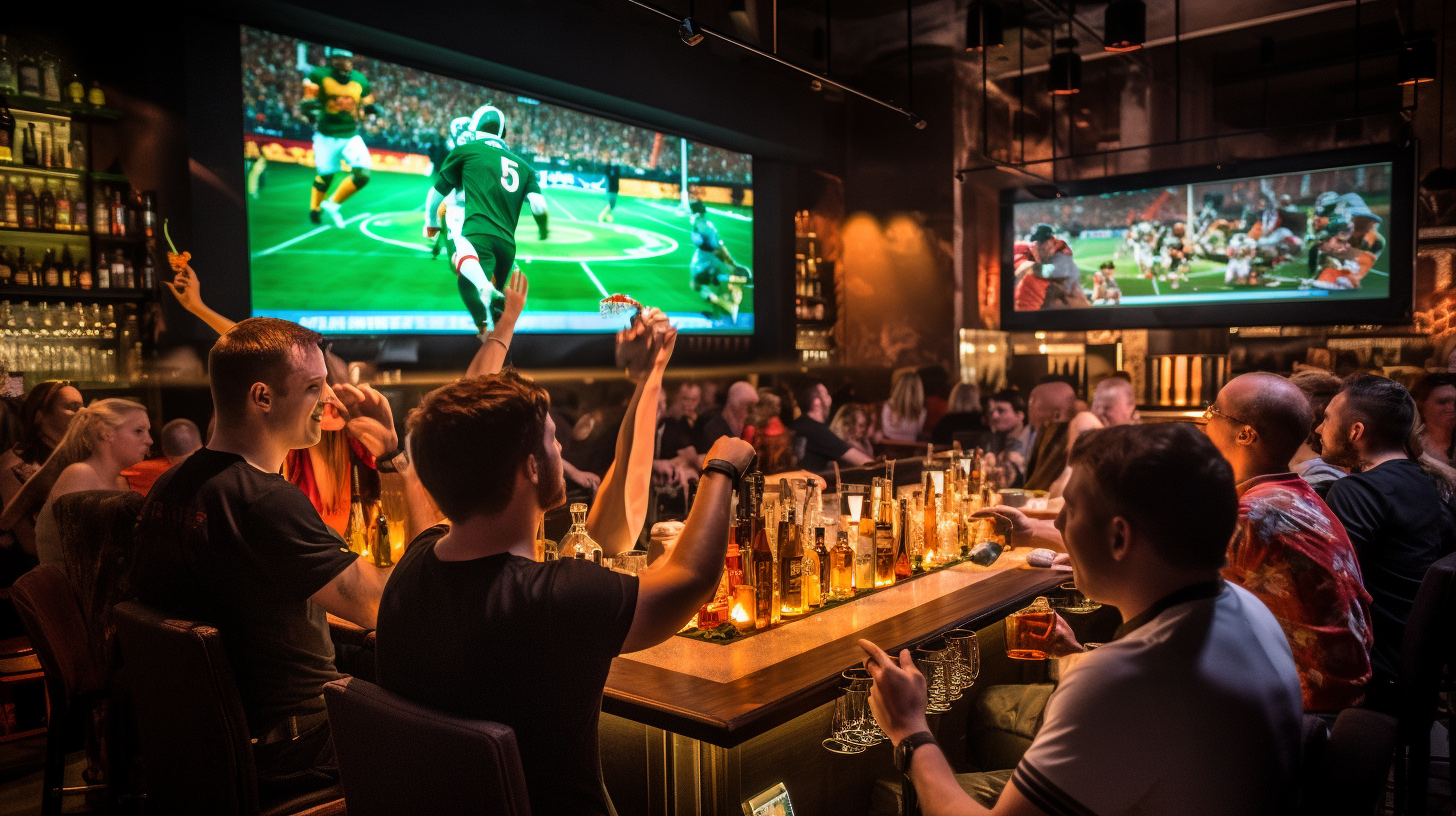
x=1319 y=239
x=341 y=150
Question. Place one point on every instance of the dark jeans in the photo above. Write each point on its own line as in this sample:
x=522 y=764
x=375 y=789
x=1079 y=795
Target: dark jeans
x=290 y=768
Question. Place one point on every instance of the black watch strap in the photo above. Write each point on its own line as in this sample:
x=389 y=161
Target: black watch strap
x=724 y=467
x=906 y=749
x=389 y=463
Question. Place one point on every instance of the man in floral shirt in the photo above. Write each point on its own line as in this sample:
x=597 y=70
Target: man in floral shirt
x=1288 y=548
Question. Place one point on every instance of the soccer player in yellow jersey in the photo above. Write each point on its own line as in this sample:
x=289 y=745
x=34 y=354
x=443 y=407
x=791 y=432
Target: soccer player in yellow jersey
x=336 y=96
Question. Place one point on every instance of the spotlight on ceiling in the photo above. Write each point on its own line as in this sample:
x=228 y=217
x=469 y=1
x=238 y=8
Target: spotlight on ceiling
x=1417 y=61
x=689 y=32
x=983 y=26
x=1065 y=74
x=1125 y=25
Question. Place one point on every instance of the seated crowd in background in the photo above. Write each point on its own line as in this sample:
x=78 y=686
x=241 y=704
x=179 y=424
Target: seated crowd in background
x=1320 y=503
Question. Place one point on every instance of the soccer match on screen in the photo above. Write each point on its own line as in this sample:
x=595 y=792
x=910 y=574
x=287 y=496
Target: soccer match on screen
x=386 y=199
x=1273 y=238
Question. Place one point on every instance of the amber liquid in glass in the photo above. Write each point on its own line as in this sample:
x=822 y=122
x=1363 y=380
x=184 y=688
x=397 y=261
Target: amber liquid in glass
x=841 y=568
x=1025 y=631
x=791 y=567
x=884 y=554
x=763 y=577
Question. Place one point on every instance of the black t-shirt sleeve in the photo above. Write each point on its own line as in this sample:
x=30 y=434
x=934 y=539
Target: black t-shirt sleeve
x=592 y=606
x=290 y=543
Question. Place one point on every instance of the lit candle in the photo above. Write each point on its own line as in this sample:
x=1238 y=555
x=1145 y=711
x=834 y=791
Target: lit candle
x=743 y=604
x=929 y=558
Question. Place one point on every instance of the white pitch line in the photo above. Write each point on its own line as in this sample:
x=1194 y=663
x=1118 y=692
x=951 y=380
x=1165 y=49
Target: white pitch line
x=564 y=211
x=315 y=231
x=592 y=275
x=664 y=223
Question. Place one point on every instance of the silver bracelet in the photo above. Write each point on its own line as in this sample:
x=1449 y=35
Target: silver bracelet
x=498 y=340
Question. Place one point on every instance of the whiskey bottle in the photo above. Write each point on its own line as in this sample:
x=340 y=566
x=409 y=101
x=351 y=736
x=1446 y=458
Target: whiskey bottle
x=821 y=555
x=763 y=563
x=50 y=78
x=358 y=529
x=791 y=557
x=80 y=221
x=884 y=553
x=83 y=275
x=46 y=206
x=578 y=543
x=63 y=209
x=7 y=133
x=841 y=568
x=28 y=73
x=8 y=82
x=103 y=271
x=6 y=270
x=51 y=274
x=902 y=543
x=28 y=153
x=382 y=552
x=932 y=544
x=118 y=270
x=809 y=574
x=11 y=205
x=102 y=215
x=29 y=211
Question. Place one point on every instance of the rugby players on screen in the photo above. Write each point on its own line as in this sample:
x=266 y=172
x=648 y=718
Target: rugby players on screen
x=1046 y=276
x=1173 y=249
x=713 y=273
x=495 y=183
x=1105 y=291
x=1341 y=259
x=335 y=96
x=1240 y=268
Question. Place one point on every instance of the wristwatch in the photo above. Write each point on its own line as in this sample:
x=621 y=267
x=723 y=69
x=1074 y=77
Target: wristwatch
x=724 y=467
x=390 y=462
x=906 y=749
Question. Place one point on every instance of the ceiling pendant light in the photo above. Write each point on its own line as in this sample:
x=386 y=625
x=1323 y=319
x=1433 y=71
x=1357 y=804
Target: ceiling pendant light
x=983 y=26
x=1417 y=61
x=1065 y=75
x=1125 y=25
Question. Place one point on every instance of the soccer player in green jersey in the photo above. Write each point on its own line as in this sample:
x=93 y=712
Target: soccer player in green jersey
x=335 y=96
x=496 y=183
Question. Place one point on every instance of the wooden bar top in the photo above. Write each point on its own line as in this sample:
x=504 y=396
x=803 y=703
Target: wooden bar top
x=730 y=713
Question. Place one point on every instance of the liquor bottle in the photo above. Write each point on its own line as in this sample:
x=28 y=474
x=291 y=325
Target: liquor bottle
x=83 y=275
x=129 y=271
x=63 y=208
x=545 y=548
x=7 y=132
x=8 y=79
x=864 y=548
x=741 y=541
x=902 y=543
x=763 y=562
x=821 y=554
x=95 y=96
x=44 y=146
x=118 y=214
x=809 y=575
x=51 y=274
x=29 y=211
x=578 y=543
x=149 y=273
x=382 y=551
x=21 y=272
x=791 y=557
x=80 y=219
x=58 y=149
x=6 y=271
x=1028 y=629
x=149 y=214
x=357 y=538
x=118 y=270
x=50 y=78
x=932 y=543
x=28 y=73
x=47 y=206
x=103 y=214
x=75 y=91
x=11 y=211
x=884 y=553
x=27 y=148
x=103 y=271
x=841 y=568
x=77 y=153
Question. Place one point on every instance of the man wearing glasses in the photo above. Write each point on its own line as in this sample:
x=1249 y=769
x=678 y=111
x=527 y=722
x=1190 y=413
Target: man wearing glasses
x=1288 y=547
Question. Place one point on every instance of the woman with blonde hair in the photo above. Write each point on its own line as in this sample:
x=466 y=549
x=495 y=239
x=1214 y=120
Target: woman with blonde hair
x=903 y=417
x=852 y=423
x=104 y=438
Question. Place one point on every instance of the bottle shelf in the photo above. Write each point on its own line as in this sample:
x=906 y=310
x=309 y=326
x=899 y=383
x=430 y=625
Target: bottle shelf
x=15 y=294
x=45 y=172
x=112 y=177
x=40 y=233
x=67 y=110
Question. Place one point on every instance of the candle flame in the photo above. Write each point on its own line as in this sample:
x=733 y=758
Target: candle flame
x=739 y=614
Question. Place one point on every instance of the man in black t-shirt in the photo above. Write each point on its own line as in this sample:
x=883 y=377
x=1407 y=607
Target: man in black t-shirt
x=1391 y=508
x=471 y=625
x=223 y=538
x=818 y=447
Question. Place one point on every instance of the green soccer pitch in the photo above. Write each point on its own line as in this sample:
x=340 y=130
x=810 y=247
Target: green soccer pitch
x=1205 y=277
x=380 y=261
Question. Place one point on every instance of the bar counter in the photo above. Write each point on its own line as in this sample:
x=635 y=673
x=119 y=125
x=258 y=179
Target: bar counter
x=692 y=727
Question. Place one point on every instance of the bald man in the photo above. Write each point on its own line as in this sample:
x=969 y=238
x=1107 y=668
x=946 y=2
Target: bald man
x=1049 y=410
x=730 y=421
x=1288 y=548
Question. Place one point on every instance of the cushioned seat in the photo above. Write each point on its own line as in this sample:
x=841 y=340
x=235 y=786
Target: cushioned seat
x=399 y=757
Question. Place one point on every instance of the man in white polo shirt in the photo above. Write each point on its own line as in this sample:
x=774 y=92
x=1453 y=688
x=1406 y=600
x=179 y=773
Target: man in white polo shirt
x=1193 y=709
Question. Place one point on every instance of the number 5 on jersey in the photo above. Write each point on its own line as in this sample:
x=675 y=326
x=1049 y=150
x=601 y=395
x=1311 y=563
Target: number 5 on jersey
x=510 y=179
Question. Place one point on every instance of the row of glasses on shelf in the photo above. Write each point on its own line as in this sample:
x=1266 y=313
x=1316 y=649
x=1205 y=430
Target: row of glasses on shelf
x=950 y=662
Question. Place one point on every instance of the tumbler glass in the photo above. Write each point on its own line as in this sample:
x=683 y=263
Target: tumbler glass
x=934 y=669
x=968 y=656
x=840 y=726
x=630 y=562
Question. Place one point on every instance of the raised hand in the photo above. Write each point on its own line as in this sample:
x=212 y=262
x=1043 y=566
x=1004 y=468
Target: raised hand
x=515 y=294
x=186 y=288
x=368 y=417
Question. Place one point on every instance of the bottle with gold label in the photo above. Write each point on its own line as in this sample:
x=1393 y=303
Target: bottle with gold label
x=791 y=557
x=902 y=543
x=358 y=537
x=841 y=568
x=763 y=565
